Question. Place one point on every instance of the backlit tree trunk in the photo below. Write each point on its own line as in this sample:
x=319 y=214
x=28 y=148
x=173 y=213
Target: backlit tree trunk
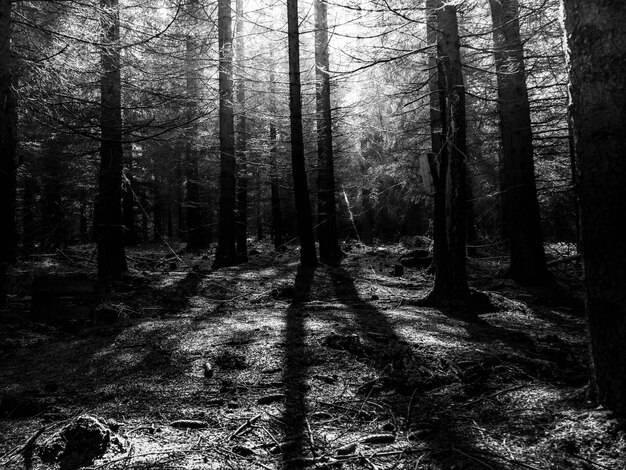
x=308 y=256
x=111 y=256
x=277 y=219
x=242 y=144
x=520 y=209
x=195 y=234
x=597 y=34
x=226 y=254
x=326 y=204
x=8 y=119
x=451 y=286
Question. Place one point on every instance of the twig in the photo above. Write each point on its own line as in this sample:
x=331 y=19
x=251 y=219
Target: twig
x=244 y=426
x=18 y=450
x=578 y=456
x=487 y=397
x=311 y=440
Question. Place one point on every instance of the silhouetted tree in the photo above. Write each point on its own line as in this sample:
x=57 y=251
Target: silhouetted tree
x=226 y=254
x=195 y=235
x=242 y=143
x=308 y=256
x=451 y=286
x=326 y=205
x=111 y=256
x=8 y=119
x=520 y=209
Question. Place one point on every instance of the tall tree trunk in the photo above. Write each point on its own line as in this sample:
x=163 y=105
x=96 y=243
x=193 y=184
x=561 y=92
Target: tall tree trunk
x=277 y=219
x=226 y=254
x=326 y=205
x=451 y=288
x=111 y=256
x=597 y=36
x=437 y=130
x=195 y=238
x=308 y=256
x=242 y=143
x=519 y=194
x=8 y=120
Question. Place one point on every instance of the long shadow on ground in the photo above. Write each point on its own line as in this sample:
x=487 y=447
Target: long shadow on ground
x=295 y=371
x=371 y=321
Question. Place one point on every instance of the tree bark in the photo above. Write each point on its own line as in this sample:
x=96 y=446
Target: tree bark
x=242 y=143
x=308 y=256
x=330 y=251
x=8 y=121
x=520 y=208
x=451 y=288
x=111 y=256
x=597 y=36
x=226 y=254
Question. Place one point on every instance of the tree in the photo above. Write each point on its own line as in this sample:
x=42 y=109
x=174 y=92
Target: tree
x=242 y=144
x=195 y=236
x=308 y=256
x=451 y=286
x=326 y=205
x=277 y=223
x=597 y=32
x=520 y=209
x=8 y=120
x=111 y=256
x=226 y=254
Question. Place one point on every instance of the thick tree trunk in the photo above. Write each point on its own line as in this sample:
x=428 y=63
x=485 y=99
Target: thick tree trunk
x=330 y=251
x=111 y=256
x=195 y=238
x=226 y=254
x=597 y=36
x=520 y=208
x=451 y=288
x=242 y=144
x=8 y=120
x=308 y=256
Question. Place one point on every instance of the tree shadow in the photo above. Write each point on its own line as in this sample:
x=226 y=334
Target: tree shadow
x=371 y=321
x=295 y=371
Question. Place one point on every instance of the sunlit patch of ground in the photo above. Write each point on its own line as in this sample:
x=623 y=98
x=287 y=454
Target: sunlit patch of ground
x=341 y=371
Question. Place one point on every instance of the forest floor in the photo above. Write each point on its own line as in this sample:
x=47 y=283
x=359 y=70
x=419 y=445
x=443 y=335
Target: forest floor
x=265 y=365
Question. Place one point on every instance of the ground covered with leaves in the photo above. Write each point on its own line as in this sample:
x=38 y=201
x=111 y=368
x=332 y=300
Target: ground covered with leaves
x=266 y=365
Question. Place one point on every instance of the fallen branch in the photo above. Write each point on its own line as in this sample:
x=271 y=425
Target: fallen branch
x=244 y=426
x=21 y=449
x=495 y=394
